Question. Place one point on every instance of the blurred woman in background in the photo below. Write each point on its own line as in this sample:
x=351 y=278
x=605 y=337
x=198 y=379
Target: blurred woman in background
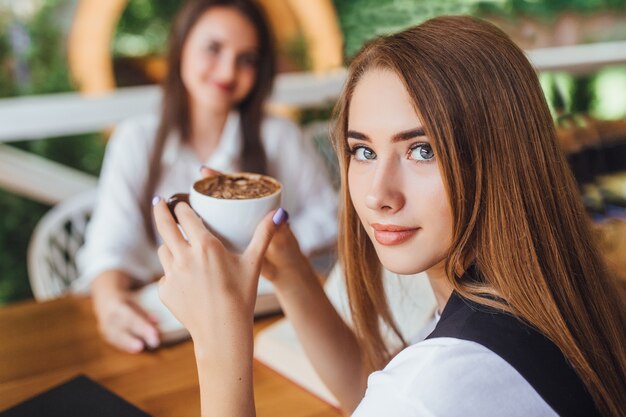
x=221 y=67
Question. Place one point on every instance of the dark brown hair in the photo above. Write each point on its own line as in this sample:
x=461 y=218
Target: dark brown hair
x=517 y=214
x=175 y=112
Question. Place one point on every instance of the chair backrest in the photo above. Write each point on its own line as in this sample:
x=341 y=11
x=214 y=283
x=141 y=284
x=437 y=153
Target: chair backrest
x=54 y=243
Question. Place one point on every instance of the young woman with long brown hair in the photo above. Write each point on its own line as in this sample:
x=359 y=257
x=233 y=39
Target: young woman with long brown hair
x=449 y=165
x=221 y=67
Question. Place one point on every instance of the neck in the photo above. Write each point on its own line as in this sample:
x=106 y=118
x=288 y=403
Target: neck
x=440 y=285
x=207 y=126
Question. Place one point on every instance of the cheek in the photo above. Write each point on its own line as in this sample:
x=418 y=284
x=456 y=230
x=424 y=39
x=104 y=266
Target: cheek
x=188 y=68
x=185 y=70
x=427 y=195
x=245 y=83
x=442 y=211
x=194 y=62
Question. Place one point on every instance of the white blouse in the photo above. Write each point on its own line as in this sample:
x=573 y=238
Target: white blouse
x=115 y=238
x=448 y=377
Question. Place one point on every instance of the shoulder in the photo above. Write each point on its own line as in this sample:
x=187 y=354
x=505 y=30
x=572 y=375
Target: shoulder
x=143 y=122
x=449 y=376
x=447 y=362
x=138 y=129
x=523 y=348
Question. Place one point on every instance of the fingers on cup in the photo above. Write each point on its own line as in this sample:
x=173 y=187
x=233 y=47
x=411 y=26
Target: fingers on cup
x=167 y=227
x=165 y=257
x=174 y=200
x=190 y=222
x=263 y=235
x=195 y=229
x=205 y=171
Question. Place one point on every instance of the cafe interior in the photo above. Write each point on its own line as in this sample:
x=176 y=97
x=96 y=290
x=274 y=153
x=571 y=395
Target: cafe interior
x=71 y=70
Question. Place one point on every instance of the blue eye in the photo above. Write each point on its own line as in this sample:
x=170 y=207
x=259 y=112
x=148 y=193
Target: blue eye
x=421 y=152
x=362 y=153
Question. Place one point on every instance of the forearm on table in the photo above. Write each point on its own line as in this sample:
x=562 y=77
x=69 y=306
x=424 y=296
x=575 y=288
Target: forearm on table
x=111 y=282
x=329 y=343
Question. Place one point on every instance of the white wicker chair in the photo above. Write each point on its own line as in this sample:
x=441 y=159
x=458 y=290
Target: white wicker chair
x=53 y=245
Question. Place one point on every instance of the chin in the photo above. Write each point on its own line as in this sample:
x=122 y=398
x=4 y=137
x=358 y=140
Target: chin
x=213 y=101
x=403 y=262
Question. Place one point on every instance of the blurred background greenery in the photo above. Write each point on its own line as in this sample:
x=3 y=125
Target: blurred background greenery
x=33 y=60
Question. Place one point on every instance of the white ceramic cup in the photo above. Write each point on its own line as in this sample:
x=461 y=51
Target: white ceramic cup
x=233 y=221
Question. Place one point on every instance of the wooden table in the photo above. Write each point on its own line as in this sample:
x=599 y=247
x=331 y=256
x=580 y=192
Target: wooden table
x=44 y=344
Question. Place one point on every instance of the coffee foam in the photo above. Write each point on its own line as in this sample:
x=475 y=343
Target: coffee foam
x=237 y=186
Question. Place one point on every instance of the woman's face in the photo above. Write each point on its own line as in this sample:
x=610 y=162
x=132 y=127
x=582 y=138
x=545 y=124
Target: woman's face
x=394 y=178
x=219 y=59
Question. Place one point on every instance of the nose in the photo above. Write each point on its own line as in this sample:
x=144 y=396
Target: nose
x=226 y=69
x=385 y=193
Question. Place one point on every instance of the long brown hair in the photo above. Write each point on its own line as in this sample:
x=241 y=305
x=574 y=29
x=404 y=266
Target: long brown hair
x=175 y=112
x=516 y=210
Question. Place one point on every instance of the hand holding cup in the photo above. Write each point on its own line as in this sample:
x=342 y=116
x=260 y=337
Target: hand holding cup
x=207 y=287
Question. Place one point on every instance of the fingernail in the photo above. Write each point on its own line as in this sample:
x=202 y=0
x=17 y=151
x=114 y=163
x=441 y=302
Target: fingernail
x=281 y=216
x=153 y=341
x=203 y=167
x=155 y=200
x=136 y=346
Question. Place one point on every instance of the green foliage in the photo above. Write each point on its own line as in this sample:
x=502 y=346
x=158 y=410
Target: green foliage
x=18 y=220
x=144 y=26
x=547 y=8
x=47 y=63
x=296 y=52
x=7 y=87
x=361 y=20
x=83 y=152
x=47 y=73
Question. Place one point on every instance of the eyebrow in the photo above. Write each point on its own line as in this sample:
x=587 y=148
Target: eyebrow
x=221 y=40
x=398 y=137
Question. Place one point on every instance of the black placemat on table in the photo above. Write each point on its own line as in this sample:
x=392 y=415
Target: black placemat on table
x=78 y=397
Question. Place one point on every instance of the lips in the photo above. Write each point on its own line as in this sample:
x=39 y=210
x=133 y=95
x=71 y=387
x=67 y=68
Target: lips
x=225 y=87
x=389 y=234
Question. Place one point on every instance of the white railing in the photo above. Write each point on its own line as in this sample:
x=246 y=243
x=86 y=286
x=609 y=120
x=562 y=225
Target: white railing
x=579 y=58
x=37 y=117
x=53 y=115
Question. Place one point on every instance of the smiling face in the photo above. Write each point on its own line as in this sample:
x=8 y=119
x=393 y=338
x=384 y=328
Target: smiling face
x=219 y=59
x=394 y=179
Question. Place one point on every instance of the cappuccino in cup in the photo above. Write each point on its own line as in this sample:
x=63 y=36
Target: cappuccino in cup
x=232 y=205
x=237 y=186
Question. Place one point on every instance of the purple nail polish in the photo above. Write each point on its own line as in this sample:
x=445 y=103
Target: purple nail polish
x=202 y=167
x=281 y=216
x=155 y=200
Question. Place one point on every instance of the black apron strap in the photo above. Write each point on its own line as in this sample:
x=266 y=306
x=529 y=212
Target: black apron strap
x=533 y=355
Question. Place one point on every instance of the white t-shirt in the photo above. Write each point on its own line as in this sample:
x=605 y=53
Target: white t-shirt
x=448 y=377
x=115 y=237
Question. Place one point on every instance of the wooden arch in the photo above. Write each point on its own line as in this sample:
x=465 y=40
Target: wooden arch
x=89 y=43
